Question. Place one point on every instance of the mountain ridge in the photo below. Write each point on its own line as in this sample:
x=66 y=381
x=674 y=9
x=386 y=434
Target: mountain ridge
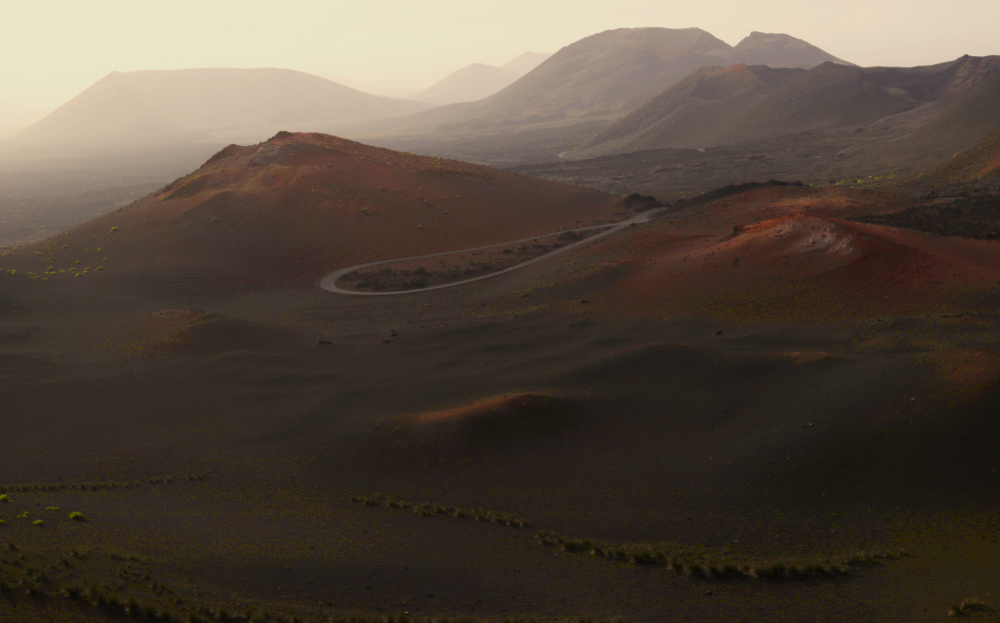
x=169 y=106
x=828 y=96
x=602 y=76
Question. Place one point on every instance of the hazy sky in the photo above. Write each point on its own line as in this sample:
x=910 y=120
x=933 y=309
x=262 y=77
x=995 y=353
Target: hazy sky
x=53 y=49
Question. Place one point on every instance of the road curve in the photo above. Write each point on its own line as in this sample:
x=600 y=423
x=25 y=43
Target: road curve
x=329 y=282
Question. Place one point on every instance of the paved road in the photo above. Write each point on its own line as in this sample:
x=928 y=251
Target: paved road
x=329 y=283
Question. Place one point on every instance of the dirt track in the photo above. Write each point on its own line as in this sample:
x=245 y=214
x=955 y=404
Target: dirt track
x=329 y=283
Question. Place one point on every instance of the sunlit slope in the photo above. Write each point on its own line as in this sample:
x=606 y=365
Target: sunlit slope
x=299 y=205
x=791 y=253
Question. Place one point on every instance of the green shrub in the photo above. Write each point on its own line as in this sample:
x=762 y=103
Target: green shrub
x=969 y=604
x=52 y=508
x=974 y=603
x=77 y=516
x=4 y=499
x=38 y=522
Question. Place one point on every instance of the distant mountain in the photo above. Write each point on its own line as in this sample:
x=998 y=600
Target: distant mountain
x=828 y=96
x=696 y=112
x=525 y=62
x=605 y=76
x=778 y=50
x=716 y=106
x=148 y=108
x=392 y=92
x=967 y=92
x=608 y=73
x=468 y=84
x=14 y=118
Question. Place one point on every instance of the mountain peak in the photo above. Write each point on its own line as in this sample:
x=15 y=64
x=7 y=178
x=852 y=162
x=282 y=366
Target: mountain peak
x=781 y=50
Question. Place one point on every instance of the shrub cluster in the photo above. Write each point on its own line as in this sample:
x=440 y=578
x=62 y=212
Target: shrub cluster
x=429 y=509
x=699 y=563
x=97 y=598
x=967 y=606
x=96 y=486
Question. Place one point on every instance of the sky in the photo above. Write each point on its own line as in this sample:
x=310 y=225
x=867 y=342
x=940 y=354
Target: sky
x=53 y=49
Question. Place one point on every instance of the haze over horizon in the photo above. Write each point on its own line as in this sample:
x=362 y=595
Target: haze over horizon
x=410 y=46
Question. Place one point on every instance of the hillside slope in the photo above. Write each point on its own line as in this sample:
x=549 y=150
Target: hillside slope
x=297 y=206
x=468 y=84
x=159 y=107
x=526 y=62
x=717 y=106
x=778 y=252
x=978 y=166
x=602 y=76
x=781 y=51
x=694 y=112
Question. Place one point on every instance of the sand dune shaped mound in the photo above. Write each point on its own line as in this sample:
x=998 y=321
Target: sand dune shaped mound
x=297 y=206
x=756 y=205
x=806 y=265
x=507 y=421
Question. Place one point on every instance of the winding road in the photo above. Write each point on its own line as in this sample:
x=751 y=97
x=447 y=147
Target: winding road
x=329 y=282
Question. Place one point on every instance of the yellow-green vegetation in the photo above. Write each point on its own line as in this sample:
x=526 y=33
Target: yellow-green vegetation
x=134 y=594
x=4 y=499
x=97 y=486
x=77 y=516
x=681 y=559
x=869 y=180
x=702 y=562
x=967 y=606
x=38 y=522
x=429 y=509
x=52 y=508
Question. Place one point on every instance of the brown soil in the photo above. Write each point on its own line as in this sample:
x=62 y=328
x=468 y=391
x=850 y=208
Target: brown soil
x=967 y=217
x=296 y=207
x=413 y=274
x=831 y=396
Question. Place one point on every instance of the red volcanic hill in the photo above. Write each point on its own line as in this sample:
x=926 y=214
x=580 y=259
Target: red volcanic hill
x=297 y=206
x=781 y=252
